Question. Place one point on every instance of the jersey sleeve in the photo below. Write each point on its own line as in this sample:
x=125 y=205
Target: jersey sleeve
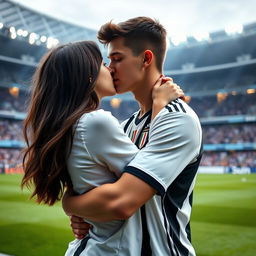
x=174 y=142
x=106 y=142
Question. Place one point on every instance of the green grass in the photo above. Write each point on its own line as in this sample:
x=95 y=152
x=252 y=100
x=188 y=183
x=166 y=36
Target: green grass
x=224 y=215
x=223 y=219
x=28 y=229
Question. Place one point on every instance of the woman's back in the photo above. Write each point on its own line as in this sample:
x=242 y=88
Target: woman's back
x=99 y=153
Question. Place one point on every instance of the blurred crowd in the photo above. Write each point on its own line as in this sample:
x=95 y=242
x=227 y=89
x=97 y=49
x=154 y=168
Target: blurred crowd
x=241 y=104
x=11 y=130
x=10 y=156
x=229 y=158
x=232 y=133
x=217 y=134
x=15 y=102
x=206 y=106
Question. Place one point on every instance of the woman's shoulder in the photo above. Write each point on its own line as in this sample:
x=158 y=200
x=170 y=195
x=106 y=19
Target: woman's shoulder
x=99 y=117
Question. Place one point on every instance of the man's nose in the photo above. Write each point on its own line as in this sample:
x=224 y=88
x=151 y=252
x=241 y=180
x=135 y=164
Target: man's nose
x=111 y=70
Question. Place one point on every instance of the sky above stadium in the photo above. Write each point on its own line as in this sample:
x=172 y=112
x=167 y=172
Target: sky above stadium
x=180 y=17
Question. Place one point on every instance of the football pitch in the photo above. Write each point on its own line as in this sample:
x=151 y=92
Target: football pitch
x=223 y=219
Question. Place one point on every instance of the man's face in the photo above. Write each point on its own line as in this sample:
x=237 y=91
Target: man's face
x=127 y=69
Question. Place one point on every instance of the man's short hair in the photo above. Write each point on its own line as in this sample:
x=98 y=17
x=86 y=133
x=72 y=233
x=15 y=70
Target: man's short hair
x=140 y=34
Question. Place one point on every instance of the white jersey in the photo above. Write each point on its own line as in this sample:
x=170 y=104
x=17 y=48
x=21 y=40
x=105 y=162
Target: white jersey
x=168 y=163
x=99 y=153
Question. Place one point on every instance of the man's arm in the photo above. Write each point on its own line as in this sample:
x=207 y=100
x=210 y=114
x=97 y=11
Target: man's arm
x=174 y=141
x=116 y=201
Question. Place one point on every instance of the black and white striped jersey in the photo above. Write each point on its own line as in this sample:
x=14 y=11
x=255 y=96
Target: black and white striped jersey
x=168 y=161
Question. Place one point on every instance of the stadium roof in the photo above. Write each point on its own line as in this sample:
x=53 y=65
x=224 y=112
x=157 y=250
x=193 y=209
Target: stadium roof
x=20 y=17
x=13 y=14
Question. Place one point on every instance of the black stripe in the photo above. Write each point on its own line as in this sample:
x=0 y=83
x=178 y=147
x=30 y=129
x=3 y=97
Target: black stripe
x=138 y=120
x=168 y=237
x=180 y=104
x=201 y=148
x=182 y=108
x=81 y=246
x=128 y=123
x=169 y=108
x=145 y=177
x=175 y=107
x=173 y=200
x=188 y=230
x=145 y=248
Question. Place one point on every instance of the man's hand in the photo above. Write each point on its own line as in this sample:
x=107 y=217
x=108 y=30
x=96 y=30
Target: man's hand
x=79 y=227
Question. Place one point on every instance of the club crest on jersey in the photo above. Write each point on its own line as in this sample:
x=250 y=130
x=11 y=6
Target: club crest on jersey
x=144 y=137
x=133 y=137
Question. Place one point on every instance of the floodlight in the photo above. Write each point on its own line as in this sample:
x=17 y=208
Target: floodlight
x=55 y=41
x=250 y=91
x=12 y=29
x=19 y=32
x=51 y=42
x=201 y=36
x=234 y=29
x=43 y=39
x=34 y=35
x=178 y=39
x=13 y=35
x=25 y=33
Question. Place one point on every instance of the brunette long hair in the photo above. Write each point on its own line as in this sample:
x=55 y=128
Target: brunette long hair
x=62 y=91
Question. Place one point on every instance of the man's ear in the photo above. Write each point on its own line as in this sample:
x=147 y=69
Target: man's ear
x=148 y=57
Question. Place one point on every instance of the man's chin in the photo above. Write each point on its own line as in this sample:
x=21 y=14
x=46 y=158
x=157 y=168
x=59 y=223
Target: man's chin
x=116 y=88
x=119 y=90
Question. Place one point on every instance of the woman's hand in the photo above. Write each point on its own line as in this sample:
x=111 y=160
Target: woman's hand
x=79 y=227
x=165 y=90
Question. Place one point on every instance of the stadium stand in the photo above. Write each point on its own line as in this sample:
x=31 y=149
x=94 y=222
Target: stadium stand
x=10 y=102
x=228 y=134
x=10 y=157
x=230 y=158
x=217 y=75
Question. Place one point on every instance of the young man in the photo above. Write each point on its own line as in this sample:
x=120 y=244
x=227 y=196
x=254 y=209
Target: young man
x=161 y=177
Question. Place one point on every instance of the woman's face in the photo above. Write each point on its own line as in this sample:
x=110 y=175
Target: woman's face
x=104 y=85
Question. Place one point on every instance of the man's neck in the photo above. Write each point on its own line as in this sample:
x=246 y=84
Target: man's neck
x=144 y=93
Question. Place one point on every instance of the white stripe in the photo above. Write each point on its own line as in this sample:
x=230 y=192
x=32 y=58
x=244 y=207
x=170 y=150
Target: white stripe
x=183 y=217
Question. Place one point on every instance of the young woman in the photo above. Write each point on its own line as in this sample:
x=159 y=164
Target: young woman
x=72 y=144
